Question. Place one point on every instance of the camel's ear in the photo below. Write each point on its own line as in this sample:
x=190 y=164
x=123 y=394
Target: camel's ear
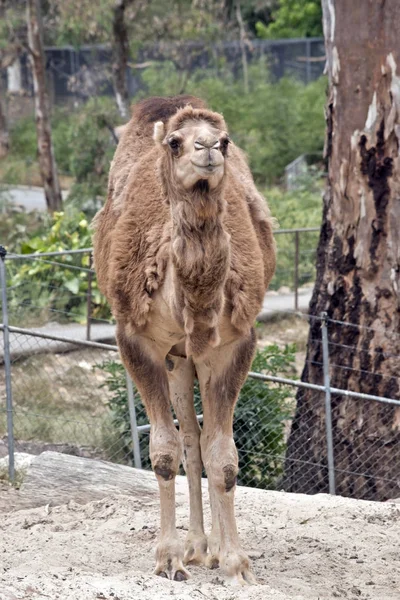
x=159 y=132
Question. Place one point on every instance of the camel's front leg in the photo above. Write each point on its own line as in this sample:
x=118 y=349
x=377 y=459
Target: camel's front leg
x=221 y=377
x=181 y=378
x=145 y=362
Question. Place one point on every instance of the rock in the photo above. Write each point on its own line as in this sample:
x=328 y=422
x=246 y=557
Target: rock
x=22 y=460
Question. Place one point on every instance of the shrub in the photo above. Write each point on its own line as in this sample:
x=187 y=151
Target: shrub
x=91 y=148
x=261 y=413
x=54 y=289
x=83 y=148
x=274 y=123
x=297 y=208
x=16 y=225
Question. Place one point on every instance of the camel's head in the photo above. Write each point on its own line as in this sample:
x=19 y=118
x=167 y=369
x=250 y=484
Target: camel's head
x=196 y=143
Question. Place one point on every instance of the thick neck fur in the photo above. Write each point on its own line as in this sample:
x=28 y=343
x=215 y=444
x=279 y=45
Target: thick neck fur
x=200 y=253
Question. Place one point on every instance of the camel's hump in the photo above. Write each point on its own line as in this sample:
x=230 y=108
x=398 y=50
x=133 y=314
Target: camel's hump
x=158 y=108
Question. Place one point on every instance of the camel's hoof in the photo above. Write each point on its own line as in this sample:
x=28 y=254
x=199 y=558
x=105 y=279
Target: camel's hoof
x=195 y=549
x=180 y=575
x=212 y=561
x=169 y=562
x=236 y=565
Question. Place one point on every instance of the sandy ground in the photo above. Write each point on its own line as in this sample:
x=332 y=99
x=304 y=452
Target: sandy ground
x=303 y=547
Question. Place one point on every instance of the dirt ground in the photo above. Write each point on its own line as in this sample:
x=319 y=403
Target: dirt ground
x=303 y=547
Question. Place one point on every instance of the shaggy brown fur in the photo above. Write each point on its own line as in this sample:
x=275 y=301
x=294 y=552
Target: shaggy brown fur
x=133 y=232
x=184 y=252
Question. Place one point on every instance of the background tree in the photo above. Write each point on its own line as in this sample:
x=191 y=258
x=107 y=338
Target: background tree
x=47 y=162
x=293 y=18
x=358 y=264
x=120 y=46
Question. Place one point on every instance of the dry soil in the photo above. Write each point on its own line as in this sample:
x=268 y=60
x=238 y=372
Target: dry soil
x=303 y=548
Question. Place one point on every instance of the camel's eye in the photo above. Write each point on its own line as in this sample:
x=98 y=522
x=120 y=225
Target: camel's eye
x=174 y=144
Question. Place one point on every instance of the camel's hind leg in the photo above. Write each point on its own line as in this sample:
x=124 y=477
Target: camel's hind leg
x=221 y=375
x=145 y=361
x=181 y=377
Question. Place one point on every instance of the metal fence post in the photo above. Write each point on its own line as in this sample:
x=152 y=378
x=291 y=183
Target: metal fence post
x=132 y=418
x=308 y=63
x=296 y=269
x=7 y=364
x=328 y=407
x=89 y=299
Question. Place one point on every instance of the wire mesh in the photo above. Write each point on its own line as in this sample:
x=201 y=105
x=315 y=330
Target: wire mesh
x=73 y=397
x=59 y=399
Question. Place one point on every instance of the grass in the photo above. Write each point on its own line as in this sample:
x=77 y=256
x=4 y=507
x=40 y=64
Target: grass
x=60 y=398
x=57 y=398
x=288 y=329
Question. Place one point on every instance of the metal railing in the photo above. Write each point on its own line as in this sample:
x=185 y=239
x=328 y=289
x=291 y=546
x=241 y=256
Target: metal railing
x=296 y=239
x=258 y=413
x=74 y=360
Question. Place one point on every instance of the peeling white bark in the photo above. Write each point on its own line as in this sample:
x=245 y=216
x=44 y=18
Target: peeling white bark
x=363 y=210
x=331 y=7
x=393 y=278
x=335 y=65
x=123 y=110
x=328 y=23
x=354 y=140
x=372 y=114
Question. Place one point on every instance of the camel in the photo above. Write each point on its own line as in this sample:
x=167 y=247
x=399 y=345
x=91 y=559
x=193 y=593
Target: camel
x=184 y=252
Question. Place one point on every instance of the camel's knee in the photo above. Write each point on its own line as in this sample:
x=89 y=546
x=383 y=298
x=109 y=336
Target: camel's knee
x=221 y=462
x=165 y=453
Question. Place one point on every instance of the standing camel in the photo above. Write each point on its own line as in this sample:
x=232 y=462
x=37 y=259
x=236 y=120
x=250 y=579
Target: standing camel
x=184 y=253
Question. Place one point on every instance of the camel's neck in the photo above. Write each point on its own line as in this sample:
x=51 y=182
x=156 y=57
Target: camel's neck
x=197 y=212
x=200 y=258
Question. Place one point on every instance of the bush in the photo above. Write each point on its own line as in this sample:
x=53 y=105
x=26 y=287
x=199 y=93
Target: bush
x=274 y=123
x=91 y=149
x=260 y=417
x=53 y=289
x=16 y=225
x=297 y=208
x=83 y=148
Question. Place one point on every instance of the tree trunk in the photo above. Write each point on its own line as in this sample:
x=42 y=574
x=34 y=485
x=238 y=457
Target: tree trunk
x=120 y=57
x=4 y=136
x=358 y=262
x=47 y=163
x=243 y=47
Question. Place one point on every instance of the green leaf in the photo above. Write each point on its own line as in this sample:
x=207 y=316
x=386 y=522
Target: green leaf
x=72 y=285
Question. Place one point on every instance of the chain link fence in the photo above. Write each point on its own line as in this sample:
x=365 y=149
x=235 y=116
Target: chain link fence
x=62 y=386
x=78 y=73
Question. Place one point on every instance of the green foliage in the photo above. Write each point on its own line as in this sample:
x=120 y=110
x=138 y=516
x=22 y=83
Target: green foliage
x=273 y=124
x=297 y=208
x=83 y=147
x=260 y=416
x=90 y=148
x=293 y=19
x=16 y=225
x=23 y=141
x=39 y=287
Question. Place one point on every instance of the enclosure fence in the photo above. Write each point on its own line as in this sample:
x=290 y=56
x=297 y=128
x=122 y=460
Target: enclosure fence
x=79 y=73
x=67 y=392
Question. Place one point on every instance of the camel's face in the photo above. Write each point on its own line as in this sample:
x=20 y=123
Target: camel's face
x=198 y=152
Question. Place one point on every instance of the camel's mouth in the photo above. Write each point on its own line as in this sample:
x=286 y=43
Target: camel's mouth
x=205 y=170
x=210 y=167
